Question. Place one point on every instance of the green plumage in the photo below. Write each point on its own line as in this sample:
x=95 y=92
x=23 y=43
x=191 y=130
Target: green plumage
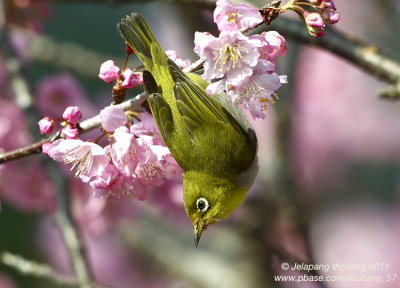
x=208 y=136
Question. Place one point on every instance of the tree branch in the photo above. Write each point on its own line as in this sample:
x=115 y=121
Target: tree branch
x=364 y=55
x=70 y=232
x=31 y=268
x=85 y=126
x=39 y=270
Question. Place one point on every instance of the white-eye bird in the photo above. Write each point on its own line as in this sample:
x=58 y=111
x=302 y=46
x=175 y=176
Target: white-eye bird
x=209 y=137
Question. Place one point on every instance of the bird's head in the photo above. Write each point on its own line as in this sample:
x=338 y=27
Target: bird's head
x=209 y=198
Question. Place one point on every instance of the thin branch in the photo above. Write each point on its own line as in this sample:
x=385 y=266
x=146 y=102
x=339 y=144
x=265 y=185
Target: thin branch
x=31 y=268
x=20 y=87
x=70 y=232
x=362 y=54
x=85 y=126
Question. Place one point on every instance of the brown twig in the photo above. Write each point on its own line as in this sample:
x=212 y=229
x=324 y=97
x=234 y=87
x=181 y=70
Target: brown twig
x=362 y=54
x=85 y=126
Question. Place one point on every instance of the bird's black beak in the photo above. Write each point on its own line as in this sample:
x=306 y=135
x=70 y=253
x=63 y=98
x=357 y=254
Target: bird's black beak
x=197 y=234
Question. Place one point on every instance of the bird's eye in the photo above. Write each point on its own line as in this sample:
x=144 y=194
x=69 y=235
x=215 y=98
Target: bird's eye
x=202 y=205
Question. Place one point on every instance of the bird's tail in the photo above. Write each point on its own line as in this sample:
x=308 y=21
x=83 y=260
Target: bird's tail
x=134 y=29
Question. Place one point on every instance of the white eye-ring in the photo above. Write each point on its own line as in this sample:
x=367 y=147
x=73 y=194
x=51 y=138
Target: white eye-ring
x=202 y=205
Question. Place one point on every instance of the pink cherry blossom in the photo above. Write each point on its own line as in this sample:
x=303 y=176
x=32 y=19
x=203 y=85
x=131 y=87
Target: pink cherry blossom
x=229 y=17
x=149 y=170
x=112 y=117
x=217 y=87
x=155 y=164
x=86 y=158
x=46 y=125
x=171 y=167
x=173 y=55
x=108 y=71
x=259 y=89
x=277 y=44
x=232 y=55
x=124 y=151
x=109 y=182
x=147 y=126
x=130 y=79
x=271 y=44
x=72 y=114
x=70 y=132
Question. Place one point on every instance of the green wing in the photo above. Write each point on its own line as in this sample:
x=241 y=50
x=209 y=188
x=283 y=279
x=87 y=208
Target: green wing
x=196 y=107
x=194 y=104
x=159 y=108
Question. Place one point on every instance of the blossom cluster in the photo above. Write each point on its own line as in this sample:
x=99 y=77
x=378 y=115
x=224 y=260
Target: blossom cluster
x=134 y=160
x=70 y=118
x=135 y=157
x=110 y=72
x=316 y=14
x=242 y=66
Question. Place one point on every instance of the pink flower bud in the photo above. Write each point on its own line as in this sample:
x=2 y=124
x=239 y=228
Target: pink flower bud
x=130 y=79
x=330 y=16
x=313 y=19
x=129 y=49
x=108 y=71
x=72 y=114
x=70 y=132
x=46 y=125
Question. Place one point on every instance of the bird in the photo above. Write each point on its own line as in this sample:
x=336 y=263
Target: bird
x=209 y=136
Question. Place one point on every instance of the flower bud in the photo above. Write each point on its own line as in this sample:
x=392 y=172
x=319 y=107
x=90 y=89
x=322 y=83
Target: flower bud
x=108 y=71
x=130 y=79
x=313 y=19
x=46 y=125
x=129 y=49
x=72 y=114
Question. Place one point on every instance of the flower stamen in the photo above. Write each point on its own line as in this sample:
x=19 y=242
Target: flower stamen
x=81 y=159
x=229 y=56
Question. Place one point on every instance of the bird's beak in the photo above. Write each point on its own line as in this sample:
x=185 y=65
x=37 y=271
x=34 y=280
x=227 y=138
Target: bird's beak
x=197 y=234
